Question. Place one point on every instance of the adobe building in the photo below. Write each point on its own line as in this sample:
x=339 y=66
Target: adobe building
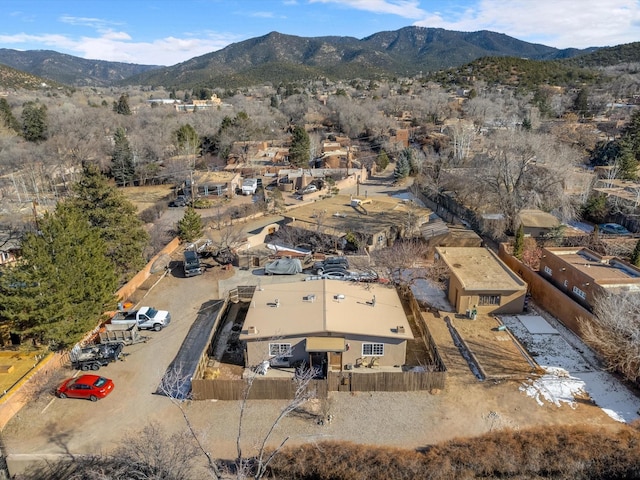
x=537 y=223
x=380 y=220
x=329 y=324
x=583 y=274
x=480 y=281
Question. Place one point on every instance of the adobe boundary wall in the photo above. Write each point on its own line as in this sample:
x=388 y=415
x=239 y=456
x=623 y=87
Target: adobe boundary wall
x=551 y=299
x=55 y=361
x=139 y=278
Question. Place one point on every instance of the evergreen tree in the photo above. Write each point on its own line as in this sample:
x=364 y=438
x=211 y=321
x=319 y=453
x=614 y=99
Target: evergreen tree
x=628 y=158
x=6 y=116
x=121 y=107
x=581 y=103
x=190 y=227
x=115 y=218
x=382 y=161
x=186 y=140
x=300 y=149
x=518 y=244
x=403 y=164
x=635 y=256
x=34 y=122
x=63 y=282
x=122 y=167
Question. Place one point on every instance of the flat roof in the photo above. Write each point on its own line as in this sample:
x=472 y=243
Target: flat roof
x=477 y=268
x=337 y=216
x=320 y=307
x=538 y=218
x=599 y=268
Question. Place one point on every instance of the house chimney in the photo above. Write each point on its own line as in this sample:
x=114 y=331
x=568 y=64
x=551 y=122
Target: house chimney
x=400 y=329
x=252 y=331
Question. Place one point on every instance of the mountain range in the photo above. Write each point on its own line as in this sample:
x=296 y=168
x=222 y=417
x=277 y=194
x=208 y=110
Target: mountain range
x=276 y=58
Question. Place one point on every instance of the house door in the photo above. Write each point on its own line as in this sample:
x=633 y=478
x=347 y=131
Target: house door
x=335 y=360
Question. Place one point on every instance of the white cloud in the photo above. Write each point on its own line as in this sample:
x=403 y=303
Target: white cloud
x=97 y=23
x=402 y=8
x=558 y=23
x=118 y=47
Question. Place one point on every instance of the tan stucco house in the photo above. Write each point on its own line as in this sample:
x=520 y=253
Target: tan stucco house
x=330 y=324
x=480 y=281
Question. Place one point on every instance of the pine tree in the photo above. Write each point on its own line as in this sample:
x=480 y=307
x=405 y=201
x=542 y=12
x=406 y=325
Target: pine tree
x=122 y=167
x=186 y=140
x=63 y=282
x=518 y=244
x=121 y=107
x=382 y=161
x=6 y=116
x=115 y=218
x=635 y=256
x=34 y=122
x=300 y=149
x=190 y=227
x=403 y=164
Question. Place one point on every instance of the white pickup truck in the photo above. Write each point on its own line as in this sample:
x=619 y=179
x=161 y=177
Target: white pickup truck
x=145 y=318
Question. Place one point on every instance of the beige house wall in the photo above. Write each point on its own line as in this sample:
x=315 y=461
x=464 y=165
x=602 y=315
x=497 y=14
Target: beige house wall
x=395 y=350
x=463 y=300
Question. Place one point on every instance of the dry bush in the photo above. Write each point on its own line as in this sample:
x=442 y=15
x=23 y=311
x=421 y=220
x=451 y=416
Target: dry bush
x=552 y=452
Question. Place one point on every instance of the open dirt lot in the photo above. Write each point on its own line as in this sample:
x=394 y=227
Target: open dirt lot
x=466 y=407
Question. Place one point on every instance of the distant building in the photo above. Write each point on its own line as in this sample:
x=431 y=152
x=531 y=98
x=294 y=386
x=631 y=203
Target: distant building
x=379 y=220
x=537 y=223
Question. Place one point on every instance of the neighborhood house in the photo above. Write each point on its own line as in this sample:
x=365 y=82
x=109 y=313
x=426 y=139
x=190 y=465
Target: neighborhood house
x=329 y=324
x=480 y=282
x=583 y=274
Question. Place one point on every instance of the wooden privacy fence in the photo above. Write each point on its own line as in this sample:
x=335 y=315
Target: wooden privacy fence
x=258 y=389
x=385 y=381
x=284 y=388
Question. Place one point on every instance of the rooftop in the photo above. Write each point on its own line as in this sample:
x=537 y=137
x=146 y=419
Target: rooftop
x=325 y=306
x=538 y=218
x=337 y=216
x=601 y=269
x=478 y=268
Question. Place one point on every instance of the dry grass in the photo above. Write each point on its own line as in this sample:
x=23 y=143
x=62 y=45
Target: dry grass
x=544 y=453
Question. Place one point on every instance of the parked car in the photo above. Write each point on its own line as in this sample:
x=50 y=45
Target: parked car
x=309 y=189
x=179 y=201
x=339 y=275
x=331 y=262
x=91 y=387
x=331 y=268
x=613 y=229
x=191 y=264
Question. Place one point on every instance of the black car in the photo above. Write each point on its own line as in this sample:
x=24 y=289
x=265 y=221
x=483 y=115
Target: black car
x=179 y=201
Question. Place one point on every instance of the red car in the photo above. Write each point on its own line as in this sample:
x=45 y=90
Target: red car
x=92 y=387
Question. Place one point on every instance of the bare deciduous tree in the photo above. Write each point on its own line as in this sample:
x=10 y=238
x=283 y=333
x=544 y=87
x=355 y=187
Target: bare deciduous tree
x=615 y=333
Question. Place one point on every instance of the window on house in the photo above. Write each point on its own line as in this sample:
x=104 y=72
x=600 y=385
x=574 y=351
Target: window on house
x=280 y=350
x=372 y=349
x=489 y=300
x=579 y=293
x=380 y=239
x=548 y=271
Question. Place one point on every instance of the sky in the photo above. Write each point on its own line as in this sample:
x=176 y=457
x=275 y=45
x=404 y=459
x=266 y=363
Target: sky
x=167 y=32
